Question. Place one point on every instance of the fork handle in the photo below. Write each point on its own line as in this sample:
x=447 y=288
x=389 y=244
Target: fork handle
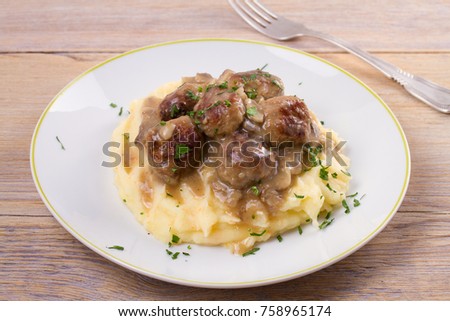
x=430 y=93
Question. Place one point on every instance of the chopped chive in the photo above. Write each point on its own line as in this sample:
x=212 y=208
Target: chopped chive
x=353 y=195
x=300 y=83
x=322 y=122
x=356 y=203
x=121 y=111
x=329 y=187
x=325 y=223
x=174 y=170
x=280 y=238
x=209 y=87
x=276 y=84
x=169 y=252
x=299 y=229
x=251 y=252
x=141 y=213
x=200 y=89
x=263 y=67
x=169 y=244
x=189 y=247
x=258 y=234
x=251 y=94
x=334 y=175
x=299 y=196
x=175 y=255
x=345 y=205
x=113 y=105
x=126 y=136
x=116 y=247
x=227 y=103
x=62 y=146
x=186 y=253
x=321 y=196
x=162 y=123
x=124 y=200
x=223 y=85
x=328 y=215
x=253 y=77
x=192 y=96
x=323 y=174
x=175 y=238
x=308 y=220
x=168 y=194
x=178 y=205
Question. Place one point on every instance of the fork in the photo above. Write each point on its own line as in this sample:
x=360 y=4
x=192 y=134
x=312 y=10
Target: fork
x=277 y=27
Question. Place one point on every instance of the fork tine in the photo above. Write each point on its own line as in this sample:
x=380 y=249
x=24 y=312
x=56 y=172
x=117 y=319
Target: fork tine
x=246 y=18
x=249 y=13
x=270 y=13
x=253 y=5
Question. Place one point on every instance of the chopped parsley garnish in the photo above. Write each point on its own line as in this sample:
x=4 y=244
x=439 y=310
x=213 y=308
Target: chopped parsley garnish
x=252 y=111
x=234 y=88
x=326 y=223
x=251 y=252
x=345 y=172
x=280 y=238
x=227 y=103
x=173 y=110
x=223 y=85
x=200 y=89
x=329 y=187
x=258 y=234
x=175 y=238
x=299 y=196
x=116 y=247
x=168 y=194
x=162 y=123
x=345 y=205
x=334 y=175
x=62 y=146
x=323 y=174
x=251 y=94
x=181 y=150
x=356 y=202
x=192 y=96
x=299 y=229
x=113 y=105
x=253 y=77
x=255 y=190
x=121 y=111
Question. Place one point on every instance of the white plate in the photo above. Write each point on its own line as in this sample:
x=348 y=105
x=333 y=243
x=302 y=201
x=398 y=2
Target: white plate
x=81 y=194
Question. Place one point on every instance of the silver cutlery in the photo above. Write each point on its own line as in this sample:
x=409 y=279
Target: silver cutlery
x=277 y=27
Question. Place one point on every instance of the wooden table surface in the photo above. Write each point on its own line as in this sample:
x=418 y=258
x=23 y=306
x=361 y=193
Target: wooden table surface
x=44 y=44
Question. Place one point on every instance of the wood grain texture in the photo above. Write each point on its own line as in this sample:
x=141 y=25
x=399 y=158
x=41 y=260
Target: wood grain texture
x=39 y=54
x=118 y=25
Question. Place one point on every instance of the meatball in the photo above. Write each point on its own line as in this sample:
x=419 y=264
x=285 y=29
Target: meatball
x=287 y=119
x=173 y=147
x=246 y=161
x=181 y=101
x=219 y=111
x=258 y=84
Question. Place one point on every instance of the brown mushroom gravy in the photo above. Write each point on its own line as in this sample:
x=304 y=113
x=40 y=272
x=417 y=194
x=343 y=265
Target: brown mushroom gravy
x=239 y=127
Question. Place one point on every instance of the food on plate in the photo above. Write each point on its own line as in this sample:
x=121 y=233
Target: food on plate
x=230 y=161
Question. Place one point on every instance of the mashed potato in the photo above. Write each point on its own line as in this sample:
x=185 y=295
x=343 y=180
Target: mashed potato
x=203 y=219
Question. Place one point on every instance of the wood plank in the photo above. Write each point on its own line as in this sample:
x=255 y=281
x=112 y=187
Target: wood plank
x=40 y=260
x=24 y=99
x=81 y=25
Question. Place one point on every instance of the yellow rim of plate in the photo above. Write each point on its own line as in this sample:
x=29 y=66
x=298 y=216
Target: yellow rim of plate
x=164 y=277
